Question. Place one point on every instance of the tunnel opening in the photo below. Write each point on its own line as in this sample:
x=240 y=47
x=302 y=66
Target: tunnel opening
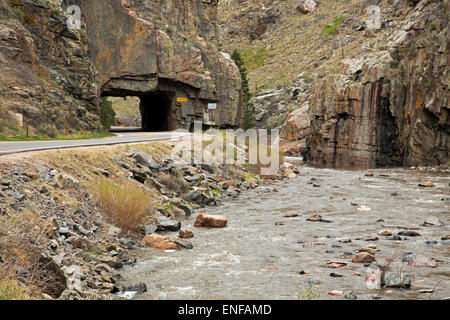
x=147 y=112
x=126 y=110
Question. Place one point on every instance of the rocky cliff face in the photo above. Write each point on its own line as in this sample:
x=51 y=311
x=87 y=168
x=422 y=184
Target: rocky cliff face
x=164 y=50
x=160 y=51
x=46 y=79
x=392 y=107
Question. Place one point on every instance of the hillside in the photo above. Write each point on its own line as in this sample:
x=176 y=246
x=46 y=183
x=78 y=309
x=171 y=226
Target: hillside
x=362 y=97
x=278 y=42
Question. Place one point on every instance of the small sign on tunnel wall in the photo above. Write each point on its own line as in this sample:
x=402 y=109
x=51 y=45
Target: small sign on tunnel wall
x=212 y=106
x=182 y=99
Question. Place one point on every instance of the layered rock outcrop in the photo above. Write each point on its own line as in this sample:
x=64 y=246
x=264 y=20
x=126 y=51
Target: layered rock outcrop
x=161 y=51
x=46 y=79
x=164 y=50
x=296 y=131
x=391 y=108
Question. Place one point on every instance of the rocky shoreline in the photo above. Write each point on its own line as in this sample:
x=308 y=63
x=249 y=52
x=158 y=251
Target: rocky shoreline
x=75 y=250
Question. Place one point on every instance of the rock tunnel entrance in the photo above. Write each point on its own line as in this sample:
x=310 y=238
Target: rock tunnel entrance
x=148 y=112
x=156 y=112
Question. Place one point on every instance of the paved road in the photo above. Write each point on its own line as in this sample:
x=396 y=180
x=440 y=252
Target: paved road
x=121 y=137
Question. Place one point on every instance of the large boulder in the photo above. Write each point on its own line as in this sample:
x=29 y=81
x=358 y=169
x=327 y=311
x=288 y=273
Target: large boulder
x=211 y=221
x=297 y=126
x=167 y=224
x=363 y=257
x=159 y=242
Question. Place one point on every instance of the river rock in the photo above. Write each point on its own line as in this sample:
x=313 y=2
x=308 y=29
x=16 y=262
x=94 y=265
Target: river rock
x=167 y=224
x=336 y=275
x=363 y=257
x=426 y=184
x=186 y=234
x=334 y=265
x=196 y=197
x=395 y=280
x=138 y=288
x=351 y=296
x=336 y=293
x=386 y=233
x=183 y=244
x=159 y=242
x=210 y=221
x=409 y=233
x=150 y=229
x=366 y=249
x=289 y=173
x=315 y=218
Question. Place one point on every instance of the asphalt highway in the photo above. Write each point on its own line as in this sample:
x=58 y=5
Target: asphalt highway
x=122 y=137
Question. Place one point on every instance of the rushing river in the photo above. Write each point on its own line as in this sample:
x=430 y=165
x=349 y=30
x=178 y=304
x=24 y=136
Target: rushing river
x=264 y=255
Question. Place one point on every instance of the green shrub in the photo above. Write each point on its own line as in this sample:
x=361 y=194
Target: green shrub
x=249 y=116
x=308 y=77
x=330 y=29
x=254 y=58
x=18 y=12
x=107 y=114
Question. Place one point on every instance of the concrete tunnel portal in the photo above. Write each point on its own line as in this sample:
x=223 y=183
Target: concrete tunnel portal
x=162 y=104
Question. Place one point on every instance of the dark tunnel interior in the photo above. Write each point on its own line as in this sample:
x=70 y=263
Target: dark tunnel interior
x=156 y=112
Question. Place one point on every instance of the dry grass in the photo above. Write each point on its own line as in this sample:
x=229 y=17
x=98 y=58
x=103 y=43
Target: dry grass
x=10 y=290
x=174 y=182
x=126 y=205
x=19 y=233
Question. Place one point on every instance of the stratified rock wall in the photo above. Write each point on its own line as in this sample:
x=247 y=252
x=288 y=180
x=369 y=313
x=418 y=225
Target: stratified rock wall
x=391 y=108
x=142 y=47
x=47 y=82
x=51 y=77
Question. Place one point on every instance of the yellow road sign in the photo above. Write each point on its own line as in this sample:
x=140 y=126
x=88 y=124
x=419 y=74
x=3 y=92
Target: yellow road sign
x=181 y=99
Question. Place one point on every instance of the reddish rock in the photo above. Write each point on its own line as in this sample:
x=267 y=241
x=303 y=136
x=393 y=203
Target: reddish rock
x=336 y=293
x=426 y=184
x=186 y=234
x=211 y=221
x=159 y=242
x=292 y=148
x=363 y=257
x=297 y=124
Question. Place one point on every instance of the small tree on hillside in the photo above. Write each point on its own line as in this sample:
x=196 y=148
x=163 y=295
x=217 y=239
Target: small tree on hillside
x=249 y=117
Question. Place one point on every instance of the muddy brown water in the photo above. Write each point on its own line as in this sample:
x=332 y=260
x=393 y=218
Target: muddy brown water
x=256 y=257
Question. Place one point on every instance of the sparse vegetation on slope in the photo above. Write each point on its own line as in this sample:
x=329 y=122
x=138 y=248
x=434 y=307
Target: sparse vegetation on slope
x=126 y=205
